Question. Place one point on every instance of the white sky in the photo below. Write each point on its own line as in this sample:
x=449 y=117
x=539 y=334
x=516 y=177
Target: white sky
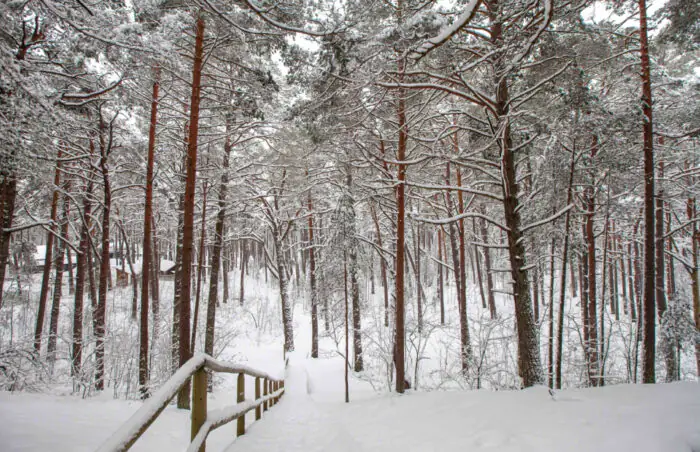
x=599 y=11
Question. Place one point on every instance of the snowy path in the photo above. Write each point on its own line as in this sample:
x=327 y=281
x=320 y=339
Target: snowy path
x=297 y=423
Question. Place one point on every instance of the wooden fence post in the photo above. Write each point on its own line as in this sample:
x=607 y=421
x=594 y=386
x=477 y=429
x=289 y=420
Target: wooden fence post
x=241 y=398
x=265 y=385
x=258 y=411
x=272 y=401
x=199 y=403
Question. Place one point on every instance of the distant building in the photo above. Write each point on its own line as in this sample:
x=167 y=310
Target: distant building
x=126 y=277
x=39 y=257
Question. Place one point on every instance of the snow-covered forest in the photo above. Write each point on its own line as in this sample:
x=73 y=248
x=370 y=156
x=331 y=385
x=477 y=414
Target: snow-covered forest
x=451 y=195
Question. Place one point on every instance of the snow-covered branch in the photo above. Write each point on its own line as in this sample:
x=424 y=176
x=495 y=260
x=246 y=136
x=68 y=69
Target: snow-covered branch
x=547 y=220
x=447 y=32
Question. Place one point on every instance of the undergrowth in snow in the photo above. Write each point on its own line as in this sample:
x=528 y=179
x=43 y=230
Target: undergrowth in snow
x=57 y=412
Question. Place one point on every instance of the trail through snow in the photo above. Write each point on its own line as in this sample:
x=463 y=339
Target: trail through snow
x=297 y=423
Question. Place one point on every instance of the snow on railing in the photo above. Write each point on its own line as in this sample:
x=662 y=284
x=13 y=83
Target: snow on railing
x=202 y=422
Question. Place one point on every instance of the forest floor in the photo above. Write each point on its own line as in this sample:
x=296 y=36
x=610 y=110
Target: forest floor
x=312 y=416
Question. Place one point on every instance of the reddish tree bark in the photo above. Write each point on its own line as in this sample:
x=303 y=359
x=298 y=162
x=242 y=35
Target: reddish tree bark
x=183 y=397
x=649 y=305
x=80 y=274
x=147 y=235
x=58 y=282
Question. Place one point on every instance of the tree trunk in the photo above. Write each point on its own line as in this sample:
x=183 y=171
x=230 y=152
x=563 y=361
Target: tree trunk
x=312 y=279
x=382 y=260
x=441 y=283
x=244 y=264
x=80 y=273
x=92 y=284
x=48 y=256
x=583 y=278
x=212 y=301
x=530 y=368
x=601 y=342
x=104 y=263
x=466 y=350
x=623 y=273
x=200 y=266
x=529 y=364
x=284 y=292
x=399 y=339
x=8 y=196
x=562 y=284
x=630 y=283
x=694 y=280
x=419 y=283
x=177 y=288
x=183 y=397
x=358 y=364
x=612 y=272
x=124 y=244
x=460 y=281
x=661 y=302
x=649 y=345
x=671 y=268
x=487 y=268
x=347 y=321
x=550 y=319
x=147 y=235
x=479 y=273
x=58 y=284
x=225 y=269
x=155 y=280
x=536 y=293
x=71 y=281
x=574 y=285
x=592 y=345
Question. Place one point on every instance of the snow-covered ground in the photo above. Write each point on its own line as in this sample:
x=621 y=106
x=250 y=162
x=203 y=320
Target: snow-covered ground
x=640 y=418
x=312 y=417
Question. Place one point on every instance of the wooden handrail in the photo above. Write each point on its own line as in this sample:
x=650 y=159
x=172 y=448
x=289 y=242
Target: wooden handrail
x=202 y=422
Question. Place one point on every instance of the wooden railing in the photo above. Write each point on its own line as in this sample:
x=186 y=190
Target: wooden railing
x=203 y=422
